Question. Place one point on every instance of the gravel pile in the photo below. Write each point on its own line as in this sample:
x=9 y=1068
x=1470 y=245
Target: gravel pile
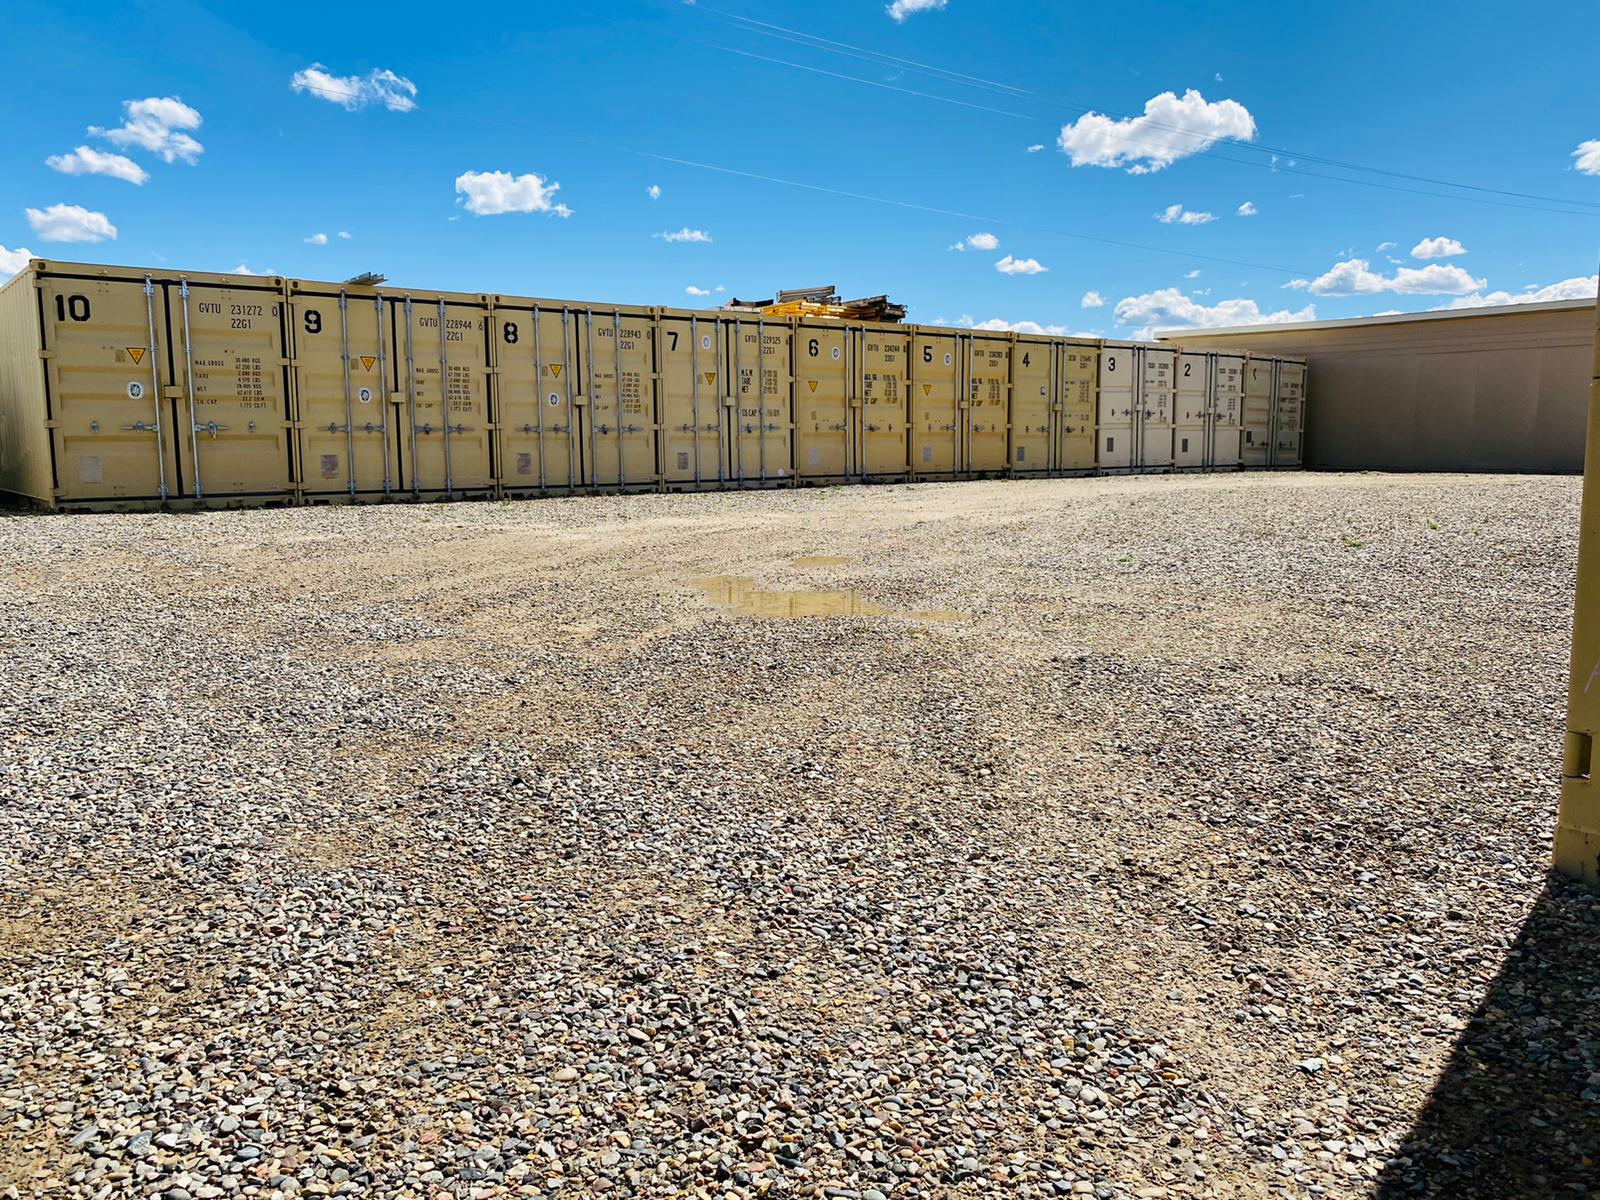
x=1116 y=838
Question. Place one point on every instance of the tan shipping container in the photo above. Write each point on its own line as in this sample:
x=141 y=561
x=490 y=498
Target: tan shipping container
x=937 y=402
x=695 y=404
x=759 y=350
x=1158 y=370
x=987 y=402
x=1035 y=404
x=343 y=368
x=533 y=345
x=826 y=405
x=441 y=389
x=880 y=364
x=151 y=388
x=1577 y=840
x=1114 y=418
x=1080 y=402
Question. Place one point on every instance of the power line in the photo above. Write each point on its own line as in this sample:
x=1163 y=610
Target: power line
x=829 y=45
x=946 y=212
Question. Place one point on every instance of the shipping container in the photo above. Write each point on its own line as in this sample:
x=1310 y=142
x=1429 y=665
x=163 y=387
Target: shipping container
x=341 y=360
x=1577 y=840
x=533 y=348
x=1260 y=398
x=131 y=388
x=1288 y=413
x=1227 y=389
x=880 y=361
x=1035 y=404
x=695 y=404
x=1191 y=421
x=759 y=350
x=985 y=421
x=937 y=402
x=1114 y=419
x=1079 y=372
x=1158 y=370
x=146 y=387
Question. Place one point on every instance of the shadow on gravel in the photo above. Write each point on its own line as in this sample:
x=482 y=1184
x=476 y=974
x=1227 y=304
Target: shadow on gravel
x=1517 y=1112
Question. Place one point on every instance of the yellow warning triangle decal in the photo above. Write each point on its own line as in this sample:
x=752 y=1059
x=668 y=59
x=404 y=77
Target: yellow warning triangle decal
x=927 y=388
x=367 y=360
x=813 y=384
x=137 y=354
x=555 y=369
x=711 y=376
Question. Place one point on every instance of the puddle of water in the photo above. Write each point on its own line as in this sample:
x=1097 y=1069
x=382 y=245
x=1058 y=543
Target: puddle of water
x=740 y=595
x=819 y=560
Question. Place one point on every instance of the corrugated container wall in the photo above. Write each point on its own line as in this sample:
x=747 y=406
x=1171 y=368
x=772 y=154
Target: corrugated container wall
x=1577 y=840
x=125 y=388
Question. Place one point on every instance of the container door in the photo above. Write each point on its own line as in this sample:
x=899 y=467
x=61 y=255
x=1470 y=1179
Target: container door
x=689 y=350
x=759 y=352
x=534 y=354
x=1080 y=389
x=821 y=404
x=1289 y=417
x=1156 y=401
x=619 y=422
x=878 y=368
x=1114 y=445
x=936 y=389
x=1032 y=407
x=342 y=360
x=1258 y=403
x=110 y=364
x=1227 y=401
x=441 y=383
x=233 y=382
x=987 y=395
x=1191 y=435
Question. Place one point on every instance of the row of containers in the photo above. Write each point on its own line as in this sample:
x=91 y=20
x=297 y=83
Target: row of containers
x=128 y=388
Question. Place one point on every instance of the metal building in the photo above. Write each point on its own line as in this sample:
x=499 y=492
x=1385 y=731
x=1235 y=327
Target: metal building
x=1477 y=389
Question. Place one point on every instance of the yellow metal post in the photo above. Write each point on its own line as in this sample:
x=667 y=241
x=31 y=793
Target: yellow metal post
x=1577 y=849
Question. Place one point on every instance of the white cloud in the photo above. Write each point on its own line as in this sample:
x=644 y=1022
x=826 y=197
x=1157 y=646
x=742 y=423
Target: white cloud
x=153 y=124
x=1170 y=129
x=978 y=241
x=1194 y=274
x=1355 y=277
x=1385 y=245
x=1093 y=300
x=719 y=288
x=1170 y=308
x=1020 y=266
x=1437 y=247
x=70 y=223
x=1035 y=148
x=241 y=269
x=1178 y=214
x=12 y=261
x=490 y=193
x=394 y=92
x=344 y=235
x=697 y=291
x=683 y=235
x=901 y=9
x=317 y=239
x=996 y=325
x=1587 y=157
x=653 y=191
x=1246 y=210
x=88 y=161
x=1576 y=288
x=1217 y=76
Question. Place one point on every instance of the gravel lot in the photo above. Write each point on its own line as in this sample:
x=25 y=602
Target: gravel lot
x=1118 y=838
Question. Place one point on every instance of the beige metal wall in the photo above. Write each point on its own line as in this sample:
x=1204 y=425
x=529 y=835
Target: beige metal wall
x=1502 y=390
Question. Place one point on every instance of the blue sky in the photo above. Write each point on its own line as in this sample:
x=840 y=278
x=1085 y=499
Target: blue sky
x=1077 y=153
